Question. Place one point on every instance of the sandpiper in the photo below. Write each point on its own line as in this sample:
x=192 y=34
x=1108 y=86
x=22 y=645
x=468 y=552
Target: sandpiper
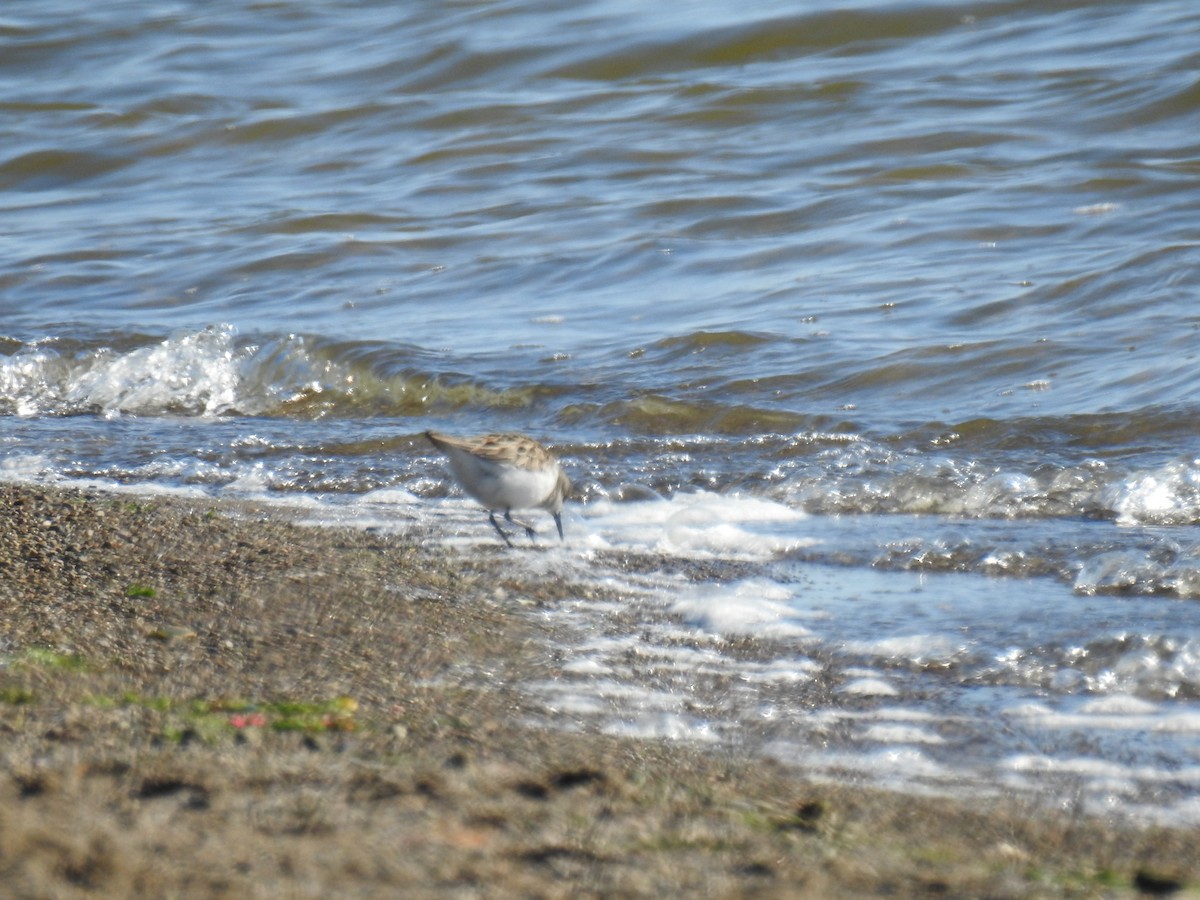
x=507 y=472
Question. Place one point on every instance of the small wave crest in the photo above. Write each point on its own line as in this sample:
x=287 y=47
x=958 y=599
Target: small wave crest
x=196 y=373
x=212 y=372
x=869 y=477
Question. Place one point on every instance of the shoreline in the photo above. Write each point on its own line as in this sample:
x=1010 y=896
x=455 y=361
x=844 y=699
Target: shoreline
x=200 y=698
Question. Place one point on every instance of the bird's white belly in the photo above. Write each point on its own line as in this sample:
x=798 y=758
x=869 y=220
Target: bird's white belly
x=503 y=486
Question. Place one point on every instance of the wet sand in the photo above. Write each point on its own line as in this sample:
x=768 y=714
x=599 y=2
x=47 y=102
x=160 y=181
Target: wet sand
x=208 y=700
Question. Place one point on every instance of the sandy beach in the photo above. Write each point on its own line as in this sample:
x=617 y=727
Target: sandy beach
x=207 y=700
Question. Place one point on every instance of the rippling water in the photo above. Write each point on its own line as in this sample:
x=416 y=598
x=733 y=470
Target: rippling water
x=854 y=304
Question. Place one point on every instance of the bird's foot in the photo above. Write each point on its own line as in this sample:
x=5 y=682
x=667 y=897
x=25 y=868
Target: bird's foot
x=530 y=532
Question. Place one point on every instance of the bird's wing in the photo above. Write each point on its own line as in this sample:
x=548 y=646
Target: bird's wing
x=489 y=446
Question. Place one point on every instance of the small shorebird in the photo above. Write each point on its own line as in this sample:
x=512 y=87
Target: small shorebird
x=507 y=472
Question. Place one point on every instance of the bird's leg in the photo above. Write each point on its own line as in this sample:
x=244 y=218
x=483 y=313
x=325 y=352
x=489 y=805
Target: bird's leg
x=500 y=531
x=558 y=522
x=528 y=528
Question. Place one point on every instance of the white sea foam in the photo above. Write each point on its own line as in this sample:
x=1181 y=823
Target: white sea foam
x=901 y=762
x=197 y=372
x=1102 y=770
x=138 y=490
x=671 y=726
x=570 y=702
x=586 y=666
x=901 y=734
x=1123 y=714
x=788 y=670
x=1119 y=705
x=1167 y=495
x=755 y=607
x=920 y=648
x=27 y=467
x=699 y=523
x=38 y=469
x=389 y=497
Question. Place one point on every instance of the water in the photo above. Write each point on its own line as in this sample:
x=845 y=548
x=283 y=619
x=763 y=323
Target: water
x=867 y=332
